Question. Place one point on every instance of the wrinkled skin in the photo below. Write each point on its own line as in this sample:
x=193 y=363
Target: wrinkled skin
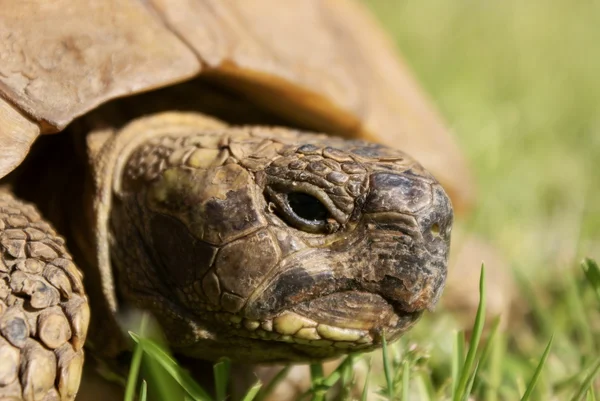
x=268 y=244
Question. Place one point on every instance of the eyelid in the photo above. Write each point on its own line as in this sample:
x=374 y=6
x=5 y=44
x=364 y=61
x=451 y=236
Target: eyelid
x=282 y=186
x=280 y=200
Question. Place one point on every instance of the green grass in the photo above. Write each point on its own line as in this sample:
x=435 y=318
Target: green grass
x=519 y=84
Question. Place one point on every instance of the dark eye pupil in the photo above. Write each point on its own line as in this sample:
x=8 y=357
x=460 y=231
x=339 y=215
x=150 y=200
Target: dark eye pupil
x=307 y=207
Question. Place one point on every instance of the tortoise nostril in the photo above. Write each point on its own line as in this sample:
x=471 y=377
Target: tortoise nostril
x=435 y=229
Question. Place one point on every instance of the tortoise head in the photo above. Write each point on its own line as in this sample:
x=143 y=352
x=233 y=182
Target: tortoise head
x=269 y=244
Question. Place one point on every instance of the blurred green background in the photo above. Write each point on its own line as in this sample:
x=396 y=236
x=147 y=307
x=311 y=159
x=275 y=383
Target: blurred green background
x=518 y=82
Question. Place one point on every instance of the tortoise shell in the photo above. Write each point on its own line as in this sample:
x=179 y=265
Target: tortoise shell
x=323 y=63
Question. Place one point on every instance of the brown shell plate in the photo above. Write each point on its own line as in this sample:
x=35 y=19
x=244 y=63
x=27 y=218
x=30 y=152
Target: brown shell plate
x=324 y=63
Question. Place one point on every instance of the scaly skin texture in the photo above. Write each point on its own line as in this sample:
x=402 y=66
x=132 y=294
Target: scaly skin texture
x=268 y=244
x=44 y=313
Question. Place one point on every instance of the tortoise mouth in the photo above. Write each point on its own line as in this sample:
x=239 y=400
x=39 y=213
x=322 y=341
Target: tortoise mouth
x=339 y=323
x=350 y=319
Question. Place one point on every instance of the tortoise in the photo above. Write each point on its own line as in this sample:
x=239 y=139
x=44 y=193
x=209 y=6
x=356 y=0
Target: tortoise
x=233 y=168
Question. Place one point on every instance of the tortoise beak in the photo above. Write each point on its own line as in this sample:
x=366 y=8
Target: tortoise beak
x=409 y=222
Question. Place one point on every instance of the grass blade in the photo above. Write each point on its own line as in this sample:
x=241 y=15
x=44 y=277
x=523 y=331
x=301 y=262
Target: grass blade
x=338 y=373
x=427 y=391
x=538 y=371
x=487 y=349
x=458 y=356
x=470 y=382
x=221 y=371
x=316 y=372
x=405 y=380
x=365 y=392
x=592 y=272
x=252 y=392
x=347 y=380
x=170 y=365
x=424 y=390
x=163 y=386
x=136 y=362
x=387 y=368
x=143 y=391
x=578 y=312
x=591 y=394
x=497 y=357
x=317 y=376
x=134 y=371
x=268 y=389
x=476 y=336
x=587 y=382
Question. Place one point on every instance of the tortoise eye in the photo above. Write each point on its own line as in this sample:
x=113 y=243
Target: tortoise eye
x=303 y=211
x=307 y=207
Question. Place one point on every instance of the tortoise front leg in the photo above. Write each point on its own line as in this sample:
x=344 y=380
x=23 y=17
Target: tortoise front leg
x=44 y=312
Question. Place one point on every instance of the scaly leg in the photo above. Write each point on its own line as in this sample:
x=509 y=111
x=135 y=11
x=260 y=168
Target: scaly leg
x=44 y=312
